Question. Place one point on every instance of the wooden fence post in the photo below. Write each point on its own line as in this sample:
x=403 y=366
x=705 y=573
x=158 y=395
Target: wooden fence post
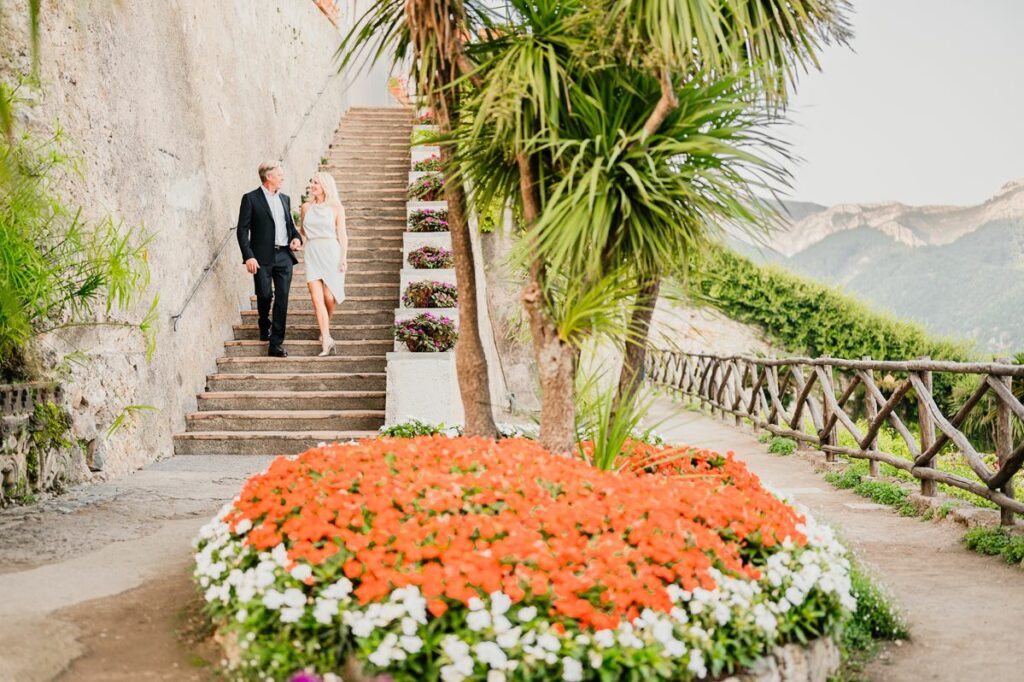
x=871 y=412
x=831 y=437
x=1004 y=447
x=927 y=427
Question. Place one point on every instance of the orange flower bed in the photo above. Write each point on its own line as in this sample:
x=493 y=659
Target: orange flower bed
x=460 y=518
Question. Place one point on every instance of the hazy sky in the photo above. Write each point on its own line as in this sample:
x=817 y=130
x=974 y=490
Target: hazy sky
x=927 y=108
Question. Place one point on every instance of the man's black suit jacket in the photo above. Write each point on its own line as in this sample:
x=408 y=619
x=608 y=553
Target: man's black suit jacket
x=256 y=227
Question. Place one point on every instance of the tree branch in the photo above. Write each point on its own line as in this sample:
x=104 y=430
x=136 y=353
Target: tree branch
x=666 y=104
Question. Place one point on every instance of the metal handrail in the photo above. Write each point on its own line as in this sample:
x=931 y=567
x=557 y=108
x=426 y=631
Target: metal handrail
x=220 y=249
x=202 y=278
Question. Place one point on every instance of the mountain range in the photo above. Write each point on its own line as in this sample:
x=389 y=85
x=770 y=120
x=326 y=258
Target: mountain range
x=957 y=270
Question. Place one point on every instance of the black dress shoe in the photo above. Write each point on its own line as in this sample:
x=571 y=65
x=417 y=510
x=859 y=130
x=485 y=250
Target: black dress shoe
x=264 y=336
x=277 y=352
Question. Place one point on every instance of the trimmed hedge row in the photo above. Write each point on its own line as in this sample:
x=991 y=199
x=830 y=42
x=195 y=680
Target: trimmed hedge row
x=808 y=317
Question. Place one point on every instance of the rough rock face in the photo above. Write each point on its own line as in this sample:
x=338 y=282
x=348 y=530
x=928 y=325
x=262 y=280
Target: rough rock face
x=171 y=106
x=910 y=225
x=815 y=662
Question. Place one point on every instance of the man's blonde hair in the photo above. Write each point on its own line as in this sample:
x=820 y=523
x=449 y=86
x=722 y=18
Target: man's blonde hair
x=266 y=167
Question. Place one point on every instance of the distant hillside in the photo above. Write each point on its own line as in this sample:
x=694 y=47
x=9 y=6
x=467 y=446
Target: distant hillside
x=910 y=225
x=957 y=270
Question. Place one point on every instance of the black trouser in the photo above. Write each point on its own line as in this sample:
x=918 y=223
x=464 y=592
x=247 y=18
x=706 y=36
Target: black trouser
x=281 y=274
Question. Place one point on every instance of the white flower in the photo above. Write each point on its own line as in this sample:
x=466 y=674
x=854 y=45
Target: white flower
x=475 y=604
x=449 y=673
x=572 y=670
x=294 y=598
x=339 y=590
x=243 y=527
x=291 y=614
x=302 y=572
x=696 y=664
x=362 y=627
x=663 y=631
x=273 y=600
x=491 y=655
x=495 y=676
x=508 y=639
x=280 y=555
x=500 y=603
x=595 y=659
x=549 y=643
x=478 y=620
x=411 y=643
x=795 y=596
x=241 y=615
x=605 y=638
x=527 y=614
x=325 y=610
x=454 y=647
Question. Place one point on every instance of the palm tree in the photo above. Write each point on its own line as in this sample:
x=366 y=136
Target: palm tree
x=432 y=33
x=624 y=149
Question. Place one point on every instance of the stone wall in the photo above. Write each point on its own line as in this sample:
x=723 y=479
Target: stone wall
x=172 y=104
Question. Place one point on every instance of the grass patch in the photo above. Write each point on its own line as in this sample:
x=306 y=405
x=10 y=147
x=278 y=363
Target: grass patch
x=996 y=542
x=875 y=620
x=781 y=446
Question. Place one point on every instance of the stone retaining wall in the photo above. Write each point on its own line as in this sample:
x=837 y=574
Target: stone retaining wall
x=171 y=106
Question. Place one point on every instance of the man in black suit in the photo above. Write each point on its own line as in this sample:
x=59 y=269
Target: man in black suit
x=267 y=237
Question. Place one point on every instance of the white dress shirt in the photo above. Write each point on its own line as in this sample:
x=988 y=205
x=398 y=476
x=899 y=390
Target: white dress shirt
x=277 y=211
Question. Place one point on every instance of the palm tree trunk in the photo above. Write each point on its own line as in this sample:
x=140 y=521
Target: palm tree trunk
x=556 y=359
x=470 y=361
x=630 y=377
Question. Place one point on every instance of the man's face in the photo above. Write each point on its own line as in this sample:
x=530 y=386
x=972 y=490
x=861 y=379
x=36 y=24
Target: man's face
x=275 y=179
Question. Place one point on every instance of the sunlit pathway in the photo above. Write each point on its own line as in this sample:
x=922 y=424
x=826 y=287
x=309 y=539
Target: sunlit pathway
x=964 y=610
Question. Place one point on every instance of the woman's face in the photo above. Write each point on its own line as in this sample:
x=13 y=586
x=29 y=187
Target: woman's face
x=316 y=189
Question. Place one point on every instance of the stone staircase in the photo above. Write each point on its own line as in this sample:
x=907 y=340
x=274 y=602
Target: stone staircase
x=256 y=404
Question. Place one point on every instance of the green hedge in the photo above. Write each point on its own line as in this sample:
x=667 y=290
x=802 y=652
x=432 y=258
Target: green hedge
x=806 y=317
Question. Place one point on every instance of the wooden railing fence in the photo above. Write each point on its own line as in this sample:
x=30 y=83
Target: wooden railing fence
x=811 y=399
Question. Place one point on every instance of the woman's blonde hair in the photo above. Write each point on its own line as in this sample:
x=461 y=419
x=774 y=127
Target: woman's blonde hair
x=330 y=188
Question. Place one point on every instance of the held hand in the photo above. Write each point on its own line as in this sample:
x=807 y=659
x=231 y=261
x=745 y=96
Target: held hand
x=295 y=245
x=252 y=266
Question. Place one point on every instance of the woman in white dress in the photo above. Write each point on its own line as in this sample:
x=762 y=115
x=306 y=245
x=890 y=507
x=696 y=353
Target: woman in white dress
x=322 y=225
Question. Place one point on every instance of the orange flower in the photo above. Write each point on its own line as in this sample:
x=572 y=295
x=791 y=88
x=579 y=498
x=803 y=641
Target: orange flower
x=466 y=517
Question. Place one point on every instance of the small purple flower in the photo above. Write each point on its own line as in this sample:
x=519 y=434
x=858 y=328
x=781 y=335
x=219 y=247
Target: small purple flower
x=303 y=676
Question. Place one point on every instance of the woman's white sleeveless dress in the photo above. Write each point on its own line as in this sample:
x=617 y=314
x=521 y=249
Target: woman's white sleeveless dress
x=323 y=252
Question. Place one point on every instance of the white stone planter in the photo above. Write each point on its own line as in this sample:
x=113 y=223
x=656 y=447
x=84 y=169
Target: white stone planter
x=420 y=153
x=414 y=240
x=407 y=313
x=410 y=275
x=422 y=386
x=411 y=206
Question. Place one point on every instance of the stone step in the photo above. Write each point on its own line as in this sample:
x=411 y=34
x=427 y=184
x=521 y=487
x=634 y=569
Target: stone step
x=363 y=275
x=260 y=442
x=340 y=317
x=299 y=365
x=285 y=420
x=347 y=141
x=311 y=332
x=290 y=381
x=291 y=400
x=362 y=239
x=247 y=348
x=300 y=304
x=355 y=289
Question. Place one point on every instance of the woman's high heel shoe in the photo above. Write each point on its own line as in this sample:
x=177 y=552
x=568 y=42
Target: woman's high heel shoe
x=331 y=346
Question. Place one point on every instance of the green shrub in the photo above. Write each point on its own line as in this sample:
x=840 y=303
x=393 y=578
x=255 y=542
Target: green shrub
x=882 y=492
x=57 y=269
x=802 y=315
x=781 y=446
x=415 y=427
x=996 y=542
